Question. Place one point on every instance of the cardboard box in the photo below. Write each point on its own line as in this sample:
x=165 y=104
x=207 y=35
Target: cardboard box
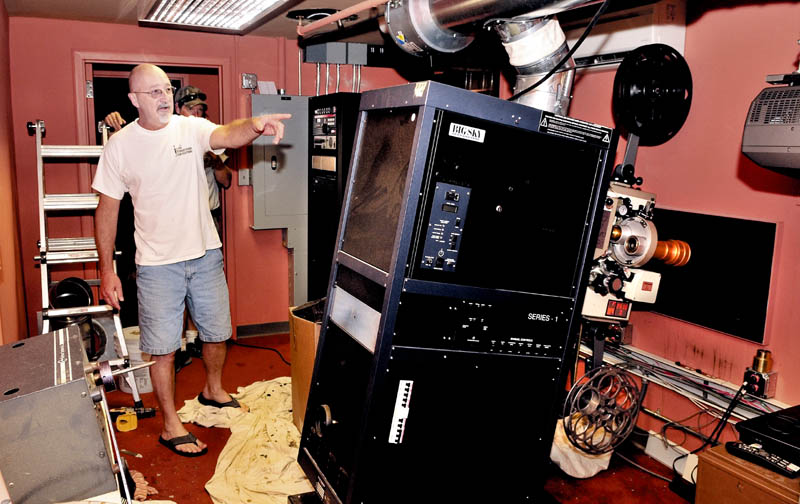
x=304 y=326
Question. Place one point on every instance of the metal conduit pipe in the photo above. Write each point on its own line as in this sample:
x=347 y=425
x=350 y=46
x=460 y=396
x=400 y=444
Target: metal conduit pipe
x=454 y=13
x=299 y=72
x=675 y=425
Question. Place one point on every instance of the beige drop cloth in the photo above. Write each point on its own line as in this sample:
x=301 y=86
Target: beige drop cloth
x=259 y=462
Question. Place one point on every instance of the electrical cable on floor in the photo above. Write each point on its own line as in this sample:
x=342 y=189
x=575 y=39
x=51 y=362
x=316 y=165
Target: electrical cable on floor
x=648 y=471
x=264 y=348
x=678 y=425
x=713 y=438
x=567 y=57
x=649 y=371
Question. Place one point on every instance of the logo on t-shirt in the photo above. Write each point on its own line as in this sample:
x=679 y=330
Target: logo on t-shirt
x=180 y=151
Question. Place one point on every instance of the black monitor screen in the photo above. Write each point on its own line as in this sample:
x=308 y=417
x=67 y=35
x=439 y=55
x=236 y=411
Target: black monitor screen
x=725 y=285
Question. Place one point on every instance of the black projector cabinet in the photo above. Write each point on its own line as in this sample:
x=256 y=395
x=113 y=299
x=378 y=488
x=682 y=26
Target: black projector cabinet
x=453 y=309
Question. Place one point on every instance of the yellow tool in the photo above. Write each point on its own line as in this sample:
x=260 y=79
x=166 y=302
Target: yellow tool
x=126 y=419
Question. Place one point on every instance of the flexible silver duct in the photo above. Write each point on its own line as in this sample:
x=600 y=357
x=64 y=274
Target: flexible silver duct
x=418 y=26
x=534 y=47
x=534 y=41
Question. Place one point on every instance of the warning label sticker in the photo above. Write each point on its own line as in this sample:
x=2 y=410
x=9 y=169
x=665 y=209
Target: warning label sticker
x=575 y=129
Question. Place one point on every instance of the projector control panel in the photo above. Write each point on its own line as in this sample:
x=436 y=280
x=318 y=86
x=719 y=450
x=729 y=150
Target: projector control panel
x=445 y=227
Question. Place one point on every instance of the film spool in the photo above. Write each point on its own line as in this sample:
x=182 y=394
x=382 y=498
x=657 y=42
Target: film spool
x=652 y=93
x=601 y=410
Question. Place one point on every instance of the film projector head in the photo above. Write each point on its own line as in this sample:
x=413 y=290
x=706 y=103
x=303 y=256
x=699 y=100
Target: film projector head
x=652 y=96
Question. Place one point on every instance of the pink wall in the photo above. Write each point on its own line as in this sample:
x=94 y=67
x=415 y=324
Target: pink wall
x=43 y=76
x=729 y=51
x=209 y=84
x=12 y=306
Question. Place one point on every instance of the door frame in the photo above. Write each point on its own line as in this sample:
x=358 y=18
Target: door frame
x=84 y=111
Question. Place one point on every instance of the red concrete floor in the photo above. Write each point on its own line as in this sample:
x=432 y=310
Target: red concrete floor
x=182 y=479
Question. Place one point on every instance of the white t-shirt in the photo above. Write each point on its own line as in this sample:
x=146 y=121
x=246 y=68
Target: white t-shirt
x=163 y=171
x=213 y=187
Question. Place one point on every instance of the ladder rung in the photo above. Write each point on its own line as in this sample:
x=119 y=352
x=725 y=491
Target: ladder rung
x=75 y=151
x=70 y=257
x=92 y=282
x=69 y=244
x=71 y=201
x=81 y=310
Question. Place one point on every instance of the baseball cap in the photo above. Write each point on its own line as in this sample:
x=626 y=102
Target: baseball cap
x=191 y=96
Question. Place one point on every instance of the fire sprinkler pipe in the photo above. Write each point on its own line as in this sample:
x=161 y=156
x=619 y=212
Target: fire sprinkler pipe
x=342 y=14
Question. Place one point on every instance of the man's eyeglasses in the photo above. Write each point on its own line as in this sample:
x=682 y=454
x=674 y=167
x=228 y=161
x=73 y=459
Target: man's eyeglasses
x=158 y=93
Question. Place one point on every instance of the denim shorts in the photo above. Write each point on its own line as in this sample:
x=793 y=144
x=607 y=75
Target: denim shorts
x=166 y=289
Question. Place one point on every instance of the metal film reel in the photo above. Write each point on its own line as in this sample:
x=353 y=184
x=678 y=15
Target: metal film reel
x=652 y=93
x=601 y=410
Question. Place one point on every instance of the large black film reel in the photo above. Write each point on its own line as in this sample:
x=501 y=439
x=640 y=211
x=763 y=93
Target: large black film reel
x=652 y=93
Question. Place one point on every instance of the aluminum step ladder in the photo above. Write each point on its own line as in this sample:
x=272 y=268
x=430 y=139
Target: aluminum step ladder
x=54 y=251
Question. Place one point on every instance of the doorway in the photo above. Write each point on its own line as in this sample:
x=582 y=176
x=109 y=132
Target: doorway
x=110 y=93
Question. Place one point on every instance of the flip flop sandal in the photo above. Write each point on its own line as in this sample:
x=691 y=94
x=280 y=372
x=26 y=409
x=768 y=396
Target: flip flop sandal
x=173 y=444
x=233 y=403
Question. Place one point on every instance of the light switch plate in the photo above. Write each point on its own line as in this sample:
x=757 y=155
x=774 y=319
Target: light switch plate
x=244 y=177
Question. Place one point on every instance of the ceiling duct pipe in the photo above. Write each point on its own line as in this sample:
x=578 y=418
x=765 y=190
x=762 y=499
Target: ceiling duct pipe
x=455 y=13
x=534 y=41
x=535 y=46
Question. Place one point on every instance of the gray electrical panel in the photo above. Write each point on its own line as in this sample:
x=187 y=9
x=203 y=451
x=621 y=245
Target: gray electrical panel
x=280 y=181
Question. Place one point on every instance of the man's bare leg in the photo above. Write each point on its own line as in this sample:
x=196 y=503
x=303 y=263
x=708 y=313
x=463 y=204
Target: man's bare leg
x=214 y=360
x=162 y=374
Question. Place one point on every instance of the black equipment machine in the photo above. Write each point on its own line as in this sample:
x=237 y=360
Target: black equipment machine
x=454 y=305
x=333 y=125
x=778 y=433
x=57 y=443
